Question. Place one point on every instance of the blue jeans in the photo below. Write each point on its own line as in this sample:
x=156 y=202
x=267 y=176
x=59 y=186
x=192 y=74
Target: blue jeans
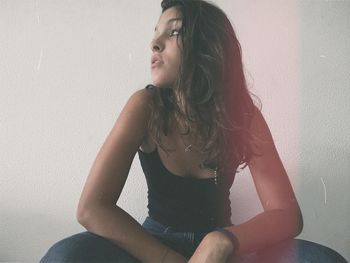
x=89 y=247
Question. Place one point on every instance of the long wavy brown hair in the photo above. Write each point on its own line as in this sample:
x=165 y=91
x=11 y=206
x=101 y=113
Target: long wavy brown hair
x=210 y=96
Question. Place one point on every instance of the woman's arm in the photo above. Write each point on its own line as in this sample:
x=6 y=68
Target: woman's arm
x=282 y=217
x=97 y=210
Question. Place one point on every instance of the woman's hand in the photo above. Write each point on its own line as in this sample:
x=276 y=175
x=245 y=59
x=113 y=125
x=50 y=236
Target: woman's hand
x=214 y=248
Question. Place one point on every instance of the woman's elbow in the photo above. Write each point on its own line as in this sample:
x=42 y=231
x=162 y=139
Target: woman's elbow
x=84 y=213
x=293 y=222
x=88 y=214
x=81 y=215
x=296 y=223
x=299 y=223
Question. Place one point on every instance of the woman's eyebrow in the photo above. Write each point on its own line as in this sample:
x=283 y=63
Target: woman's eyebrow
x=170 y=20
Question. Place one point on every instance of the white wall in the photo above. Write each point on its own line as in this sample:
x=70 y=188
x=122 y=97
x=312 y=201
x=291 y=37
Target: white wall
x=325 y=123
x=68 y=67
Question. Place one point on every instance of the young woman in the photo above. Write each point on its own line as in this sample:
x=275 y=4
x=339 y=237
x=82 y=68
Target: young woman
x=192 y=129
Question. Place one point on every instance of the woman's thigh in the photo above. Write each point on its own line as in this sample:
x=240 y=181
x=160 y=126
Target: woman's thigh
x=293 y=251
x=87 y=247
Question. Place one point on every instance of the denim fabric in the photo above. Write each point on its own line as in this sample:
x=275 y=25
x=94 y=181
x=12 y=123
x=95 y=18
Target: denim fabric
x=183 y=242
x=89 y=247
x=86 y=247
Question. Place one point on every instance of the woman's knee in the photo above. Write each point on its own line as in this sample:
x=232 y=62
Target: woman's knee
x=86 y=247
x=308 y=251
x=301 y=251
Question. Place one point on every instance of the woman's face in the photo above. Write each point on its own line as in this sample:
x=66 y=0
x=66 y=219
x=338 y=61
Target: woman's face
x=166 y=54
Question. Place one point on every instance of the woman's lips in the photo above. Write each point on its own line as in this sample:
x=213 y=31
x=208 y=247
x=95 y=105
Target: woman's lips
x=156 y=64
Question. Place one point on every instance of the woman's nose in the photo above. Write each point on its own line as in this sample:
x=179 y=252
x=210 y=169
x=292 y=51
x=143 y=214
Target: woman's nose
x=156 y=45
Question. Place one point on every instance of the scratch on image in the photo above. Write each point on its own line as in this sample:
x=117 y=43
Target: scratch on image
x=324 y=190
x=40 y=58
x=37 y=15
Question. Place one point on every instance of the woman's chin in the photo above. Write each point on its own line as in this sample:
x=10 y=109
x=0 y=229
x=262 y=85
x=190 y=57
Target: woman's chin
x=160 y=84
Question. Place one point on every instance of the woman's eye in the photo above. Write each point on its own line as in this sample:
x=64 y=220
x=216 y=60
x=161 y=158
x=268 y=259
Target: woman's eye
x=174 y=32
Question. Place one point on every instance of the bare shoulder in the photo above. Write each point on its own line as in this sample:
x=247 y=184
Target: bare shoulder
x=134 y=116
x=143 y=97
x=139 y=99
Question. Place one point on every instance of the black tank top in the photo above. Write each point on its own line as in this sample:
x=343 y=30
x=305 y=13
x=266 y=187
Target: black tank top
x=185 y=203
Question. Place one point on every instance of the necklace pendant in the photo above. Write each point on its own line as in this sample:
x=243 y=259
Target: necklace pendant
x=188 y=148
x=215 y=178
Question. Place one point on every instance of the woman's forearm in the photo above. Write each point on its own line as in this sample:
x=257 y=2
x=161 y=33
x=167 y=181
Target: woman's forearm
x=116 y=225
x=266 y=229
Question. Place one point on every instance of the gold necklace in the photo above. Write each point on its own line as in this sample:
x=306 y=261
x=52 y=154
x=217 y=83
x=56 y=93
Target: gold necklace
x=188 y=148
